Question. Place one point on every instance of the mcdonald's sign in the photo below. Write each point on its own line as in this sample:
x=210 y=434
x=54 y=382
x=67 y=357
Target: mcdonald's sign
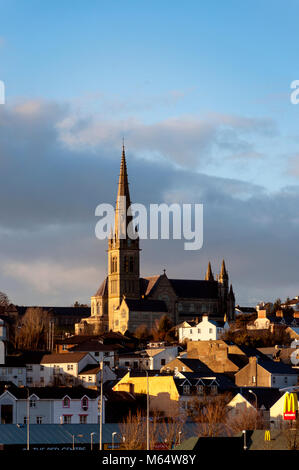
x=290 y=406
x=267 y=436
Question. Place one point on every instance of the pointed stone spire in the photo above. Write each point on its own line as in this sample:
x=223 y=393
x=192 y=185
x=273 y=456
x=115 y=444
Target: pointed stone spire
x=223 y=272
x=209 y=274
x=123 y=201
x=231 y=292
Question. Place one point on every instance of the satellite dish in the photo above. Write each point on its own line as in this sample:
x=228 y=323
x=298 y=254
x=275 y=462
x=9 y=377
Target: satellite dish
x=295 y=357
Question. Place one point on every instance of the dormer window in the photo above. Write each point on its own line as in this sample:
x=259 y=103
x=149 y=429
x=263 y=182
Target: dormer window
x=186 y=389
x=84 y=403
x=66 y=402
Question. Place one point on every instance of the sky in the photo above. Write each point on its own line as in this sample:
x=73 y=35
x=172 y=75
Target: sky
x=201 y=93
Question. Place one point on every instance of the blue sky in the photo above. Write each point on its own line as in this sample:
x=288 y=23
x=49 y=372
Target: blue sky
x=196 y=88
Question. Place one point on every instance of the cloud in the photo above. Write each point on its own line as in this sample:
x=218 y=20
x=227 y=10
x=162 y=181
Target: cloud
x=185 y=140
x=57 y=166
x=49 y=277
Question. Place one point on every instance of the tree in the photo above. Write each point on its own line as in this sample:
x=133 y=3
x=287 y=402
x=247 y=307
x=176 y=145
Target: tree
x=247 y=418
x=4 y=300
x=162 y=329
x=142 y=332
x=78 y=305
x=290 y=431
x=32 y=329
x=210 y=414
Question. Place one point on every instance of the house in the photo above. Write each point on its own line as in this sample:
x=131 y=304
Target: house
x=163 y=393
x=203 y=331
x=48 y=405
x=277 y=410
x=152 y=358
x=269 y=321
x=73 y=368
x=261 y=398
x=200 y=385
x=99 y=351
x=266 y=373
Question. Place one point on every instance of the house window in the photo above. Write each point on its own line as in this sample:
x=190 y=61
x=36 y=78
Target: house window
x=32 y=402
x=29 y=367
x=42 y=380
x=285 y=380
x=20 y=371
x=186 y=389
x=274 y=380
x=163 y=362
x=39 y=420
x=42 y=368
x=83 y=419
x=84 y=403
x=106 y=354
x=29 y=380
x=210 y=330
x=89 y=378
x=214 y=389
x=200 y=389
x=190 y=331
x=97 y=354
x=70 y=367
x=198 y=330
x=67 y=419
x=66 y=402
x=25 y=420
x=253 y=379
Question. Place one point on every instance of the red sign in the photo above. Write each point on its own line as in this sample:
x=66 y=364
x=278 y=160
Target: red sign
x=289 y=415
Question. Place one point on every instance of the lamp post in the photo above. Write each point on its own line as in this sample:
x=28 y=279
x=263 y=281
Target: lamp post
x=180 y=432
x=113 y=435
x=28 y=418
x=91 y=440
x=250 y=391
x=244 y=434
x=147 y=412
x=101 y=408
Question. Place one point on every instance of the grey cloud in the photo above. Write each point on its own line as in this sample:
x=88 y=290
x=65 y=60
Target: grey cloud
x=49 y=191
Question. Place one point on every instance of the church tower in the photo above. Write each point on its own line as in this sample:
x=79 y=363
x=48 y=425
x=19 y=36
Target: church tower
x=123 y=251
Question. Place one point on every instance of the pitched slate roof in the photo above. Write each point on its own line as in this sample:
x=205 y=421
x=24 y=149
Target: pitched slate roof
x=278 y=367
x=90 y=369
x=63 y=358
x=83 y=312
x=189 y=288
x=146 y=305
x=147 y=284
x=266 y=396
x=47 y=392
x=103 y=289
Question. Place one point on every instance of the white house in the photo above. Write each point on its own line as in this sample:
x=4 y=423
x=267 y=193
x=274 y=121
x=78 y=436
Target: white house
x=49 y=405
x=61 y=369
x=204 y=331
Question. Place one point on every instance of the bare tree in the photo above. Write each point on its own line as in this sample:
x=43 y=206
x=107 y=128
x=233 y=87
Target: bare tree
x=290 y=431
x=247 y=418
x=210 y=414
x=32 y=329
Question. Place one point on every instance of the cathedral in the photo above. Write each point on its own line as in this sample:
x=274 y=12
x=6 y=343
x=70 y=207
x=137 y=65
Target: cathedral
x=125 y=300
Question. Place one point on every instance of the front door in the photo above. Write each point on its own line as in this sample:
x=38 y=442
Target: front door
x=6 y=414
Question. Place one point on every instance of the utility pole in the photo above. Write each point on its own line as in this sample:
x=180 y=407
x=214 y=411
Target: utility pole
x=147 y=413
x=101 y=406
x=28 y=418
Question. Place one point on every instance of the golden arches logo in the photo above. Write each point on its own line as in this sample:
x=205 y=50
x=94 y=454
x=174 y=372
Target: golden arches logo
x=267 y=436
x=290 y=403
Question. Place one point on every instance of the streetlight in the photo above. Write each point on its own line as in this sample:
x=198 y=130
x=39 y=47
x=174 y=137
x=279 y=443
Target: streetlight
x=101 y=408
x=147 y=412
x=91 y=439
x=244 y=434
x=250 y=391
x=180 y=432
x=113 y=434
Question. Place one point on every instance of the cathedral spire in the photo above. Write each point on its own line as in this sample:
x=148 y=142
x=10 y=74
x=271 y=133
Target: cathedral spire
x=209 y=273
x=123 y=200
x=223 y=272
